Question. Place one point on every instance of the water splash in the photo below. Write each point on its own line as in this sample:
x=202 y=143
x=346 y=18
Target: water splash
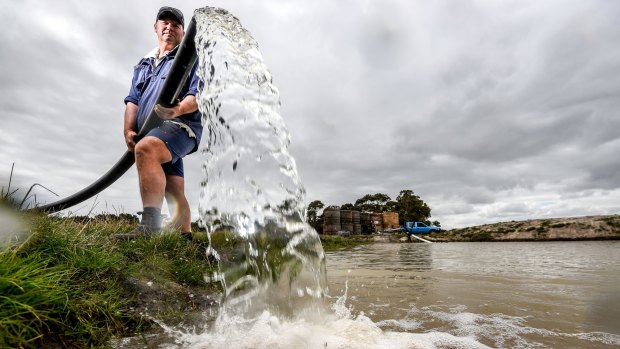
x=339 y=329
x=252 y=201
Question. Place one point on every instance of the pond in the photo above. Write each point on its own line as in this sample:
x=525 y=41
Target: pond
x=441 y=295
x=505 y=295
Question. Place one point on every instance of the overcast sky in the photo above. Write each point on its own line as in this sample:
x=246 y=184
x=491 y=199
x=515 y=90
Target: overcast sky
x=488 y=110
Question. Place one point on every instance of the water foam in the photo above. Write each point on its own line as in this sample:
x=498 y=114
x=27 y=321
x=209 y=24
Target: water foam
x=430 y=327
x=340 y=329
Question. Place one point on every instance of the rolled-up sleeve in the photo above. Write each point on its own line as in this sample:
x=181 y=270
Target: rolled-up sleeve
x=134 y=94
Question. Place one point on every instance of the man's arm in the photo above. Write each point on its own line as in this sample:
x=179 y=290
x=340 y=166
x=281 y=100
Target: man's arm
x=131 y=113
x=186 y=106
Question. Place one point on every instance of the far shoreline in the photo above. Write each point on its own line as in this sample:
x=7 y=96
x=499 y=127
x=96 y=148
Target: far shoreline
x=587 y=228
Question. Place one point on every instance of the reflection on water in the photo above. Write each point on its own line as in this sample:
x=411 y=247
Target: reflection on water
x=551 y=294
x=418 y=259
x=398 y=257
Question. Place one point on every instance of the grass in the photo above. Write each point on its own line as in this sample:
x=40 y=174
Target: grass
x=31 y=300
x=8 y=195
x=334 y=242
x=71 y=284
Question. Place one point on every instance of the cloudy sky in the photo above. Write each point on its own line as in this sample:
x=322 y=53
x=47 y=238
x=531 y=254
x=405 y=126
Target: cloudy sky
x=488 y=110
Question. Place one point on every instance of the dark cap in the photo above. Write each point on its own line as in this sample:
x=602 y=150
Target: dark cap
x=170 y=12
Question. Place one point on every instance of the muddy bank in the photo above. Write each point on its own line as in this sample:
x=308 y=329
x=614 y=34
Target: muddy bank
x=551 y=229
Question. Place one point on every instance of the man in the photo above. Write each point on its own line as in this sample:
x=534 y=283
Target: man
x=159 y=154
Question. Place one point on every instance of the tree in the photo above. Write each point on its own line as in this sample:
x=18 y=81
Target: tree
x=391 y=206
x=314 y=218
x=348 y=206
x=412 y=208
x=373 y=202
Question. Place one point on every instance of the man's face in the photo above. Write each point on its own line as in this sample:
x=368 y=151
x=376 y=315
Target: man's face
x=169 y=30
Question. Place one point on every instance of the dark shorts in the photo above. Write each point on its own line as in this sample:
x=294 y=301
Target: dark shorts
x=178 y=142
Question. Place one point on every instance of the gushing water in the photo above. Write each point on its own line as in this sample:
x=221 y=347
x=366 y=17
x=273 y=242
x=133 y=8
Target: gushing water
x=271 y=263
x=252 y=202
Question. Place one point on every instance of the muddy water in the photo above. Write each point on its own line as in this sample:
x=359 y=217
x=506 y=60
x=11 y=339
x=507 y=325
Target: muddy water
x=381 y=296
x=452 y=295
x=505 y=295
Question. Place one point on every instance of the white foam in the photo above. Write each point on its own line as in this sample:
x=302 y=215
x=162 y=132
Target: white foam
x=342 y=333
x=601 y=337
x=338 y=328
x=405 y=324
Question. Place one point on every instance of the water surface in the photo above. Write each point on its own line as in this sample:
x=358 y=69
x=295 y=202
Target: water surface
x=506 y=295
x=271 y=263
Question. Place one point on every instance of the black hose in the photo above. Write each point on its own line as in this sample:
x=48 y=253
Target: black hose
x=179 y=71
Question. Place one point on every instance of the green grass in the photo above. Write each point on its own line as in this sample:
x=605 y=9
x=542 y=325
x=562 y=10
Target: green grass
x=333 y=242
x=31 y=299
x=69 y=282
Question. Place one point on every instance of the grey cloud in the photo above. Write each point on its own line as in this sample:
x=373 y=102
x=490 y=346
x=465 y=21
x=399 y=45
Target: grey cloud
x=476 y=106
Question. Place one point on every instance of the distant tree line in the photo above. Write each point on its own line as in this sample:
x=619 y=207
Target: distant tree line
x=410 y=207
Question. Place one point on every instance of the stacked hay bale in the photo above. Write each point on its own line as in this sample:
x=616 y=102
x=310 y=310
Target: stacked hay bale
x=366 y=224
x=346 y=220
x=376 y=219
x=390 y=220
x=357 y=225
x=331 y=221
x=356 y=222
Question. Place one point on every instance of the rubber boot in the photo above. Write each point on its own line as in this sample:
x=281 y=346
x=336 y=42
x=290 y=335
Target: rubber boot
x=150 y=223
x=187 y=235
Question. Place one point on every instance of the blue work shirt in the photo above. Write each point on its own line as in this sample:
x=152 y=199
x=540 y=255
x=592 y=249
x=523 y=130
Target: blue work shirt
x=148 y=79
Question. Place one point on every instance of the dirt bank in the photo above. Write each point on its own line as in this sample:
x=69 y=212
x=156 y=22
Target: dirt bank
x=551 y=229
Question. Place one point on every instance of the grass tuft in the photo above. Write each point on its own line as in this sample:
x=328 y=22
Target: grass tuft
x=71 y=283
x=334 y=242
x=32 y=299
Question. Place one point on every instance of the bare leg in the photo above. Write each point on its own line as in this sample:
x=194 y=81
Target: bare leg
x=151 y=152
x=172 y=208
x=175 y=190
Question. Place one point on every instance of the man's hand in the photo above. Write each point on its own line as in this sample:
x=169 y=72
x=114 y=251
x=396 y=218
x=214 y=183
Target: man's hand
x=131 y=113
x=131 y=144
x=186 y=106
x=169 y=113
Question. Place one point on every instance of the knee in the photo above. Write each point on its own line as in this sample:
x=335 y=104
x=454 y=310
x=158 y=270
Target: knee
x=152 y=149
x=144 y=148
